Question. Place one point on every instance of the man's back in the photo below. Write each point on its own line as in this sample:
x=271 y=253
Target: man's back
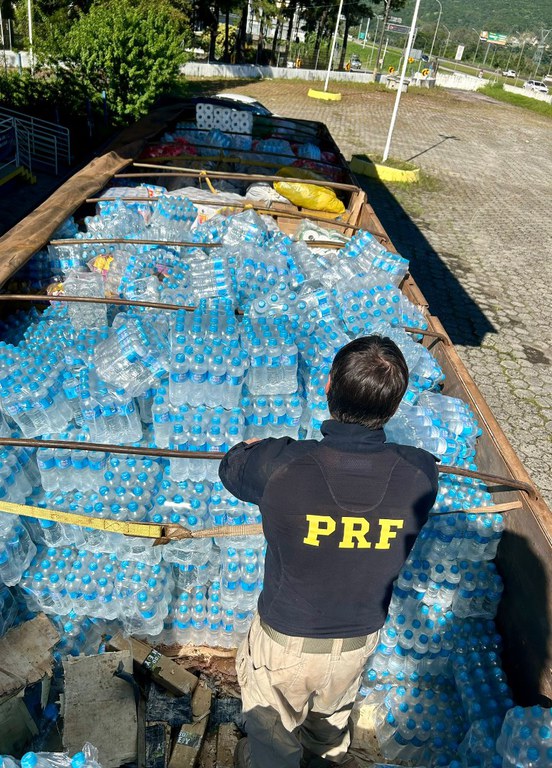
x=340 y=517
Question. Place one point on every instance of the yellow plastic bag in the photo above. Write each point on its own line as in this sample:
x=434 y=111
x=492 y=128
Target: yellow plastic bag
x=291 y=172
x=310 y=196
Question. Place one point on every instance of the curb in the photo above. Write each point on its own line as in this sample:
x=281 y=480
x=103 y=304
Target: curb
x=383 y=172
x=326 y=95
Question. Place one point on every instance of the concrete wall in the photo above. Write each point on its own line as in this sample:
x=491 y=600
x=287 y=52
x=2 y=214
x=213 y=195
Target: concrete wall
x=14 y=60
x=525 y=92
x=200 y=69
x=459 y=80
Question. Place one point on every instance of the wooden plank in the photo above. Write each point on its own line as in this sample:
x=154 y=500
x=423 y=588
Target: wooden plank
x=172 y=676
x=26 y=655
x=190 y=737
x=228 y=737
x=208 y=754
x=100 y=707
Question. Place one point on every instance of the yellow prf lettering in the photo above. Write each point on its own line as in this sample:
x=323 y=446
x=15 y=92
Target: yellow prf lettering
x=354 y=528
x=319 y=525
x=387 y=532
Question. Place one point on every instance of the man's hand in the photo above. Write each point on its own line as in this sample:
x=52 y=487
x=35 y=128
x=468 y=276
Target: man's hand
x=252 y=440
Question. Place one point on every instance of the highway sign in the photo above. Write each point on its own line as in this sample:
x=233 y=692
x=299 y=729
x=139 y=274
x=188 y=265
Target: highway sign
x=493 y=38
x=401 y=29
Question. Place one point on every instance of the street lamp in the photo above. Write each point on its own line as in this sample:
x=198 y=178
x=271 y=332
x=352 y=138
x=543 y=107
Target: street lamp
x=30 y=21
x=444 y=51
x=478 y=41
x=334 y=40
x=436 y=28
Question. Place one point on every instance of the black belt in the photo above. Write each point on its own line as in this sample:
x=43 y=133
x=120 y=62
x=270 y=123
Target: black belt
x=316 y=644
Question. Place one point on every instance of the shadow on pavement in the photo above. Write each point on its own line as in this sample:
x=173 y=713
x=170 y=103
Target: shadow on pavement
x=433 y=146
x=465 y=323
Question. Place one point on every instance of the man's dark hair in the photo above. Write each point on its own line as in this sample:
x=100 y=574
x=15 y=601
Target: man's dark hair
x=368 y=379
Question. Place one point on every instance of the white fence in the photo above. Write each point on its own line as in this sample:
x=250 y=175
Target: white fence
x=526 y=92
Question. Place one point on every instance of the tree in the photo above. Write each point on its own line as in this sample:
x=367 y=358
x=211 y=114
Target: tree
x=389 y=5
x=130 y=50
x=353 y=12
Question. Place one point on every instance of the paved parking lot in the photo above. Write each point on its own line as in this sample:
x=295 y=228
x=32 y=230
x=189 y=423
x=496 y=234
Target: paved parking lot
x=478 y=233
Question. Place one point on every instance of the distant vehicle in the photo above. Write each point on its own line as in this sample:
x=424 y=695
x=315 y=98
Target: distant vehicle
x=509 y=73
x=356 y=63
x=536 y=85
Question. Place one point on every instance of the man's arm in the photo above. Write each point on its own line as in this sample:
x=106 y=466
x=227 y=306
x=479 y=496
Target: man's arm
x=247 y=466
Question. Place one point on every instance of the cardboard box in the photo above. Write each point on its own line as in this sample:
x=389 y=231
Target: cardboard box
x=100 y=707
x=26 y=654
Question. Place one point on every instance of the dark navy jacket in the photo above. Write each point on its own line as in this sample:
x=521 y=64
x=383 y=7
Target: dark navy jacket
x=340 y=517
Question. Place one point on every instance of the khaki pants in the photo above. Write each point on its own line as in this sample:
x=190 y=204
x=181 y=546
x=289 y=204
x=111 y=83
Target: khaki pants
x=292 y=699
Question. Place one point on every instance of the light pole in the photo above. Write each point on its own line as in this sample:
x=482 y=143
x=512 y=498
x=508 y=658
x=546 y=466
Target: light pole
x=519 y=61
x=443 y=55
x=333 y=44
x=436 y=28
x=401 y=81
x=380 y=46
x=372 y=49
x=486 y=53
x=366 y=33
x=540 y=49
x=477 y=46
x=30 y=19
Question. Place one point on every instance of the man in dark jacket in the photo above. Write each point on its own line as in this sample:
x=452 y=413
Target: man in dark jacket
x=340 y=517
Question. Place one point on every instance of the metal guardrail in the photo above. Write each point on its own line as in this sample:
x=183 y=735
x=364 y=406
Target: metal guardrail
x=40 y=141
x=10 y=162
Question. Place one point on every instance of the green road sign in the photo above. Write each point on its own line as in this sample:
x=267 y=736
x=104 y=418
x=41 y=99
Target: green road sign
x=493 y=38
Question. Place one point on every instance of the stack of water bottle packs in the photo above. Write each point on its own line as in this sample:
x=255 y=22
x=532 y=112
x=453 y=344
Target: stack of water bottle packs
x=229 y=133
x=251 y=360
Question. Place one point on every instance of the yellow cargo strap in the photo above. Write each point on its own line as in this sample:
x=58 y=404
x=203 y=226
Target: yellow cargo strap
x=147 y=530
x=161 y=534
x=164 y=533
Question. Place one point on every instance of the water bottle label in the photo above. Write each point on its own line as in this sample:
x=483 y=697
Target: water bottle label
x=179 y=377
x=64 y=462
x=198 y=378
x=45 y=464
x=89 y=414
x=289 y=360
x=162 y=418
x=218 y=379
